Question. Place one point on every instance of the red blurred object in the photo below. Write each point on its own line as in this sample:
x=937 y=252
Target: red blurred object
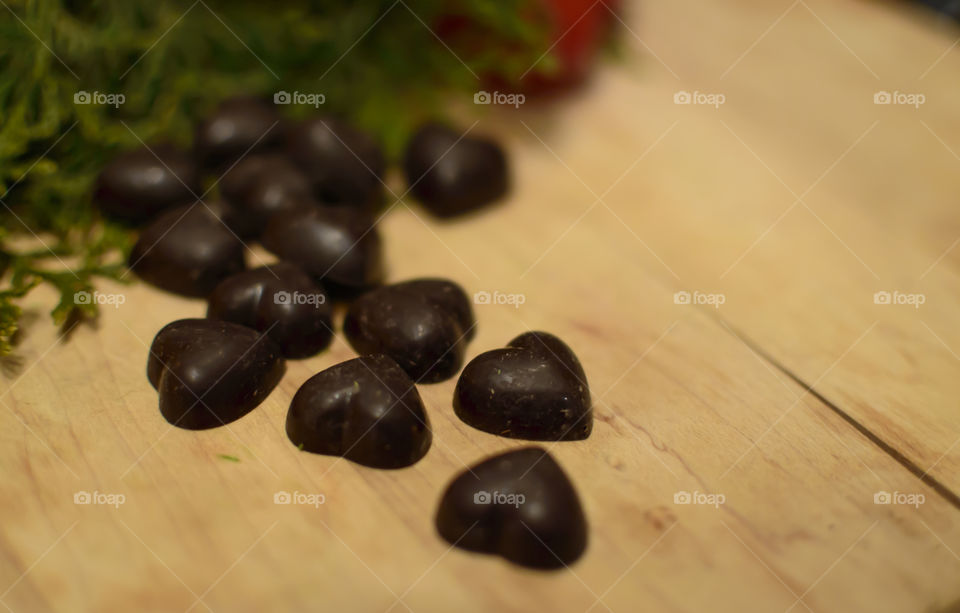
x=577 y=31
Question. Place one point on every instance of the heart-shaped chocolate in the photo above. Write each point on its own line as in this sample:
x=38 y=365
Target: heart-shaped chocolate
x=534 y=389
x=209 y=373
x=279 y=300
x=237 y=181
x=345 y=165
x=187 y=250
x=139 y=184
x=338 y=246
x=239 y=126
x=423 y=324
x=261 y=186
x=366 y=410
x=451 y=173
x=520 y=505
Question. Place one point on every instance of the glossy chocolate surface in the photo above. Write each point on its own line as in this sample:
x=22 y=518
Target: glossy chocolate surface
x=139 y=184
x=187 y=250
x=345 y=165
x=533 y=389
x=453 y=174
x=519 y=505
x=423 y=324
x=208 y=373
x=366 y=410
x=335 y=245
x=263 y=185
x=280 y=300
x=237 y=127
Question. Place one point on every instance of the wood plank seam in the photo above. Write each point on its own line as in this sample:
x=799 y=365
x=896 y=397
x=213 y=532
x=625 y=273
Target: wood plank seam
x=939 y=487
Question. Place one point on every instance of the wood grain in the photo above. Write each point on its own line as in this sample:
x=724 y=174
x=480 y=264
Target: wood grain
x=622 y=198
x=800 y=199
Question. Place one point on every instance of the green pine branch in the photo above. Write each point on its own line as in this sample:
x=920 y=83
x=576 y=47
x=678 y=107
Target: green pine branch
x=172 y=63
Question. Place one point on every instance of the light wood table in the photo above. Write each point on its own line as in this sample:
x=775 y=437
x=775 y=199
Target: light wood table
x=798 y=399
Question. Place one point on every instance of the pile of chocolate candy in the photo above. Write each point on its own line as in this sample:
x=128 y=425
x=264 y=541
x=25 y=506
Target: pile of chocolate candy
x=310 y=193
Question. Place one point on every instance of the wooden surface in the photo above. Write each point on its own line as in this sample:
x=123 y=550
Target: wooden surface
x=797 y=200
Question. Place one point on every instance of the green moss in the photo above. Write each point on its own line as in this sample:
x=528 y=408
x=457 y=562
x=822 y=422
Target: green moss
x=374 y=61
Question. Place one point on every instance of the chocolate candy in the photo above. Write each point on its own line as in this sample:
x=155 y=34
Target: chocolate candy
x=366 y=410
x=238 y=221
x=236 y=182
x=280 y=300
x=238 y=126
x=209 y=373
x=345 y=165
x=451 y=175
x=520 y=505
x=139 y=184
x=264 y=185
x=336 y=245
x=188 y=251
x=423 y=324
x=534 y=389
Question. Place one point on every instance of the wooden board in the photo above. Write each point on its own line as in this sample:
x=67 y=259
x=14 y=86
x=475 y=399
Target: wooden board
x=622 y=199
x=800 y=199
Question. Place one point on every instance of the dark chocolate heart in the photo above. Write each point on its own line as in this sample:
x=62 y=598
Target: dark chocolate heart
x=520 y=505
x=534 y=389
x=262 y=186
x=366 y=410
x=345 y=165
x=451 y=173
x=338 y=246
x=137 y=185
x=209 y=373
x=280 y=300
x=187 y=250
x=237 y=181
x=423 y=324
x=237 y=127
